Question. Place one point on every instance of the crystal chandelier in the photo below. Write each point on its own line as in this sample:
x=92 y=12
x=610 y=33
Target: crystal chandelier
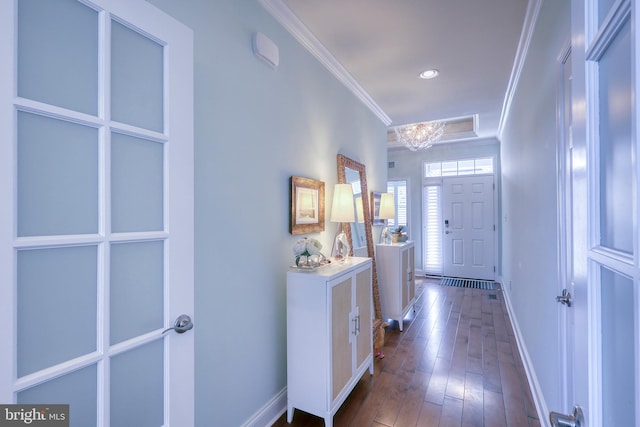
x=418 y=136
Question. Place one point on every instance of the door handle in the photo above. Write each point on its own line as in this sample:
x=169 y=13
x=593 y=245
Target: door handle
x=565 y=298
x=563 y=420
x=448 y=232
x=182 y=324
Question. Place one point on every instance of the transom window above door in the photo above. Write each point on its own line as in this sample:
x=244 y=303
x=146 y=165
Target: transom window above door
x=478 y=166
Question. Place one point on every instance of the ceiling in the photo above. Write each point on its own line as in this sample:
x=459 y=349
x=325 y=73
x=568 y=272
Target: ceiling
x=378 y=48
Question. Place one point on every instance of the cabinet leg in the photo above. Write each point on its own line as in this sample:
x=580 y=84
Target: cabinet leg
x=289 y=413
x=328 y=421
x=400 y=324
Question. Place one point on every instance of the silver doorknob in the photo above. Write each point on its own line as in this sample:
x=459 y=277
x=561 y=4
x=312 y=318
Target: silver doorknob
x=562 y=420
x=565 y=298
x=182 y=324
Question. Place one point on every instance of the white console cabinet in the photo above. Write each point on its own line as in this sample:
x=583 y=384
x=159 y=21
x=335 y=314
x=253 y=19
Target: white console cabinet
x=329 y=335
x=396 y=279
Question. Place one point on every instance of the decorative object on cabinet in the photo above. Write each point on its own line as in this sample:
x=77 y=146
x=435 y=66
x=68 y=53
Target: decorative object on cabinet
x=399 y=234
x=345 y=164
x=396 y=278
x=375 y=208
x=329 y=335
x=387 y=211
x=307 y=253
x=307 y=205
x=378 y=340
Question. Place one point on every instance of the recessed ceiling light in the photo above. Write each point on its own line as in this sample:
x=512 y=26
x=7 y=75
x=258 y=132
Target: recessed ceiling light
x=429 y=74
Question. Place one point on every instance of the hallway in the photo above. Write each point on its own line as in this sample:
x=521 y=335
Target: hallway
x=456 y=364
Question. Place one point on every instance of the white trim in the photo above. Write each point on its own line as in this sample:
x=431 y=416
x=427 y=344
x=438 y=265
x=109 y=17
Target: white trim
x=291 y=23
x=533 y=10
x=534 y=385
x=270 y=412
x=564 y=230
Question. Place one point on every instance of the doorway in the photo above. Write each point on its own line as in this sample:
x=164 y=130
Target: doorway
x=458 y=217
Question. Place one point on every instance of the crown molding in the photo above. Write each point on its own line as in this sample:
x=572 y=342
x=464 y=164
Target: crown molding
x=530 y=19
x=293 y=25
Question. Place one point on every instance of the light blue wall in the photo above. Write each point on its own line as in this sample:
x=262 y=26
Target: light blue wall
x=254 y=128
x=529 y=204
x=408 y=166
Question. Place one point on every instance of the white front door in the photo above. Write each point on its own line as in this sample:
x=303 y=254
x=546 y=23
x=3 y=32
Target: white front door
x=468 y=226
x=96 y=229
x=606 y=248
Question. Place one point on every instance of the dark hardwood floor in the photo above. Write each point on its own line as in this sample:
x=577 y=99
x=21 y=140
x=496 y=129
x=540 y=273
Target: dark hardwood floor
x=455 y=364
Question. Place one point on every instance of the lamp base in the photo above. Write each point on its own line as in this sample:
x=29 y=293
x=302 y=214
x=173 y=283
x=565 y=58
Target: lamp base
x=341 y=247
x=385 y=236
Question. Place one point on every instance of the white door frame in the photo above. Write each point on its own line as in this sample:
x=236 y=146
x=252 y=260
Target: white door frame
x=565 y=226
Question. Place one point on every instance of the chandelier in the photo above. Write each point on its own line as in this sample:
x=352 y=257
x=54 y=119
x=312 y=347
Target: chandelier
x=418 y=136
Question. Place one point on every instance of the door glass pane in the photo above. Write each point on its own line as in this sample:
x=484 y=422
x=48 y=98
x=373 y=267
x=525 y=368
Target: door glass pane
x=433 y=169
x=58 y=54
x=616 y=154
x=466 y=167
x=618 y=350
x=57 y=300
x=136 y=79
x=432 y=218
x=603 y=9
x=136 y=289
x=137 y=387
x=484 y=166
x=137 y=184
x=57 y=177
x=449 y=168
x=77 y=389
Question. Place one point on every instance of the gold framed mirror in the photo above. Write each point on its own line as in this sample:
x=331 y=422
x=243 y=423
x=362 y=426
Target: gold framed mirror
x=350 y=172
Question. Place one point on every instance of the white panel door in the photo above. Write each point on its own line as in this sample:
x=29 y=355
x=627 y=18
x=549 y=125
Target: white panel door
x=96 y=229
x=468 y=226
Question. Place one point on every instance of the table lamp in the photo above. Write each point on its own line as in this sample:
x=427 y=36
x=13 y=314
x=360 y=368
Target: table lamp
x=342 y=211
x=387 y=211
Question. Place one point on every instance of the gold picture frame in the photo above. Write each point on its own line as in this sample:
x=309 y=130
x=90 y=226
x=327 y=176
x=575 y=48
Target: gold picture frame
x=307 y=205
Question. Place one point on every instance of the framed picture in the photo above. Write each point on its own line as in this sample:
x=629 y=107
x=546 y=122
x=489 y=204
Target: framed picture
x=307 y=205
x=375 y=208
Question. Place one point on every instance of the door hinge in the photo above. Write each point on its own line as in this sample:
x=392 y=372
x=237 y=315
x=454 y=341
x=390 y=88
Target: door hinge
x=494 y=268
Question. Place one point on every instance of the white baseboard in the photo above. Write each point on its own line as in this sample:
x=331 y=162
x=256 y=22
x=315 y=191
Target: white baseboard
x=538 y=398
x=270 y=412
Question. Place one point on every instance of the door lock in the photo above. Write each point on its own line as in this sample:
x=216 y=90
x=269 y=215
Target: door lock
x=562 y=420
x=565 y=298
x=182 y=324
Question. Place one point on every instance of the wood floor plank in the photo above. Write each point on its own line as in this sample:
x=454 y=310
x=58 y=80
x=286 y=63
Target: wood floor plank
x=429 y=415
x=491 y=368
x=451 y=413
x=411 y=407
x=473 y=401
x=438 y=382
x=494 y=412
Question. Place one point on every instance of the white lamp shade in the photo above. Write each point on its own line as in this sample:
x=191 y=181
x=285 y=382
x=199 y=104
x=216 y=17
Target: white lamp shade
x=387 y=206
x=359 y=209
x=342 y=207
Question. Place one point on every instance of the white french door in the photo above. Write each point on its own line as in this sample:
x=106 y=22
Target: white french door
x=468 y=227
x=604 y=213
x=96 y=229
